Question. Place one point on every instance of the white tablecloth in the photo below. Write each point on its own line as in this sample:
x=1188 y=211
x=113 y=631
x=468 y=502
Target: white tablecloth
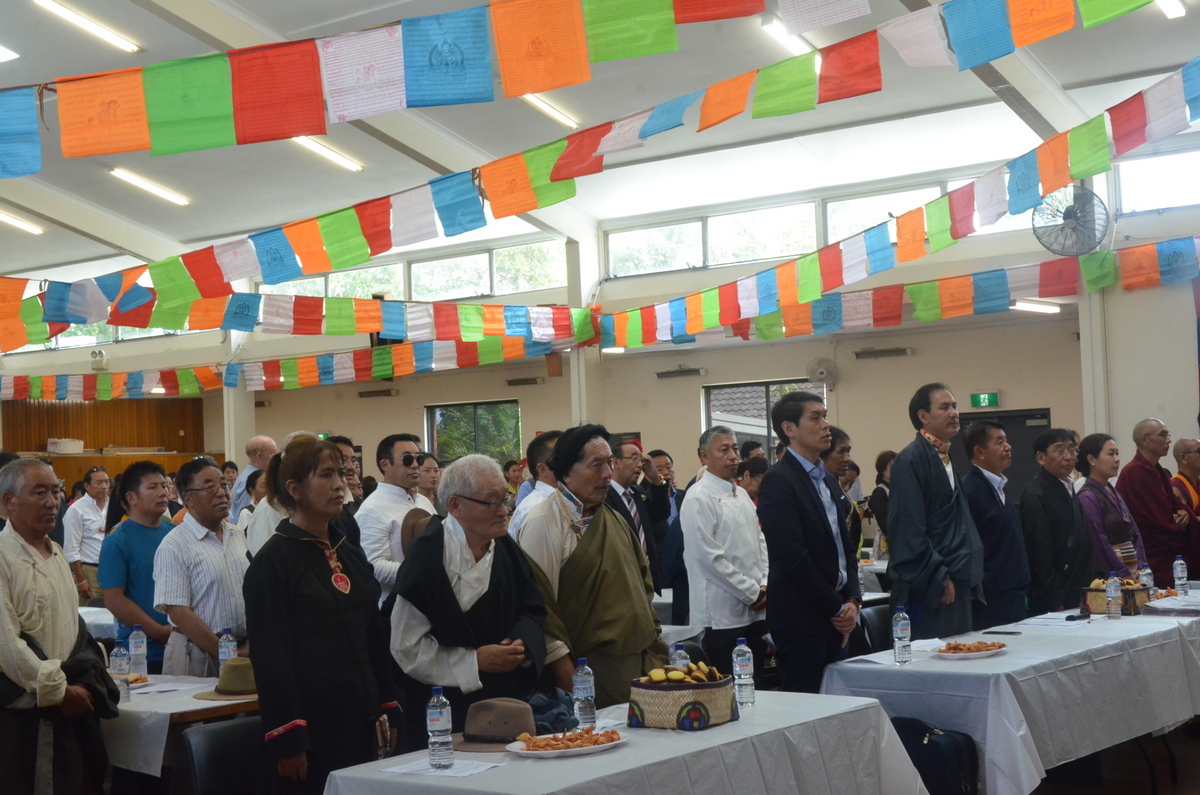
x=100 y=622
x=1054 y=694
x=786 y=743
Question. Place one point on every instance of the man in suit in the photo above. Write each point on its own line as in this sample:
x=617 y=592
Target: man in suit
x=936 y=563
x=815 y=598
x=1057 y=537
x=640 y=508
x=1005 y=566
x=669 y=537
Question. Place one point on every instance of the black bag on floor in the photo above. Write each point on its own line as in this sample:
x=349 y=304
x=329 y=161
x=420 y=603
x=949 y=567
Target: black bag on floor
x=947 y=760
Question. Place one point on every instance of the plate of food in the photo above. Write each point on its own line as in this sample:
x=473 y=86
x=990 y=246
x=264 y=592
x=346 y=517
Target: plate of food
x=578 y=743
x=970 y=651
x=135 y=681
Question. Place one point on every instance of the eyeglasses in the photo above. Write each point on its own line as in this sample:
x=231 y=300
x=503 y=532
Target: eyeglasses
x=96 y=469
x=408 y=459
x=211 y=489
x=492 y=506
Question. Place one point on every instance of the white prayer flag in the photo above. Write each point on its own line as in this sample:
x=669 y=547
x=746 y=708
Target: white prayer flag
x=1166 y=108
x=6 y=388
x=854 y=259
x=541 y=323
x=237 y=259
x=662 y=322
x=413 y=216
x=278 y=315
x=419 y=318
x=624 y=134
x=362 y=73
x=747 y=290
x=802 y=16
x=86 y=299
x=445 y=355
x=1023 y=281
x=150 y=379
x=991 y=197
x=253 y=373
x=563 y=344
x=920 y=38
x=343 y=368
x=74 y=387
x=858 y=310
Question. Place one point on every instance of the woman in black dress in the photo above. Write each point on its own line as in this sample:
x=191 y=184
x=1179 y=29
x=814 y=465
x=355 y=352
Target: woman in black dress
x=320 y=652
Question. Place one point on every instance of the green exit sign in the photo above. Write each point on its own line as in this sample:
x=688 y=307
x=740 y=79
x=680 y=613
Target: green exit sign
x=985 y=400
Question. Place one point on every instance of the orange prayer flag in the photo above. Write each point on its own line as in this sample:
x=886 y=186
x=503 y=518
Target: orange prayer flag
x=514 y=347
x=957 y=296
x=1139 y=267
x=207 y=313
x=724 y=100
x=306 y=240
x=695 y=313
x=12 y=334
x=621 y=327
x=506 y=182
x=1034 y=20
x=11 y=293
x=797 y=320
x=493 y=320
x=49 y=387
x=207 y=377
x=540 y=44
x=102 y=114
x=910 y=235
x=1054 y=169
x=368 y=316
x=118 y=385
x=403 y=359
x=786 y=283
x=306 y=371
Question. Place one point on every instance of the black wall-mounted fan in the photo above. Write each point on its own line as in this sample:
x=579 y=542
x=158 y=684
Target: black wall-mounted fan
x=1071 y=221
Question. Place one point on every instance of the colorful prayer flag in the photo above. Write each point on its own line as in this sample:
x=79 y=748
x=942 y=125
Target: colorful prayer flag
x=339 y=316
x=962 y=211
x=808 y=287
x=887 y=305
x=628 y=28
x=991 y=197
x=1058 y=277
x=509 y=190
x=413 y=218
x=205 y=271
x=277 y=92
x=457 y=202
x=540 y=45
x=1099 y=270
x=447 y=58
x=241 y=312
x=305 y=239
x=579 y=158
x=769 y=327
x=708 y=10
x=540 y=162
x=173 y=283
x=1053 y=160
x=938 y=223
x=991 y=292
x=857 y=311
x=731 y=310
x=879 y=249
x=20 y=144
x=1177 y=260
x=957 y=296
x=926 y=300
x=827 y=314
x=854 y=259
x=910 y=235
x=1166 y=108
x=797 y=321
x=668 y=115
x=189 y=104
x=803 y=16
x=1139 y=267
x=237 y=259
x=375 y=220
x=830 y=259
x=207 y=313
x=343 y=238
x=787 y=87
x=362 y=73
x=919 y=38
x=1034 y=20
x=1023 y=193
x=1088 y=148
x=850 y=68
x=767 y=291
x=1128 y=119
x=1097 y=12
x=726 y=99
x=102 y=114
x=392 y=316
x=276 y=258
x=979 y=31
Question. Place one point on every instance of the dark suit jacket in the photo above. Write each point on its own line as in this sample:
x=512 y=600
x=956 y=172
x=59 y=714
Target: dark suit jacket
x=1005 y=564
x=674 y=571
x=1059 y=544
x=653 y=505
x=802 y=583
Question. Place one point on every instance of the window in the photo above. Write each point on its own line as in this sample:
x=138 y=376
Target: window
x=1154 y=183
x=535 y=267
x=761 y=234
x=663 y=248
x=365 y=282
x=442 y=280
x=746 y=408
x=85 y=336
x=493 y=429
x=310 y=287
x=853 y=216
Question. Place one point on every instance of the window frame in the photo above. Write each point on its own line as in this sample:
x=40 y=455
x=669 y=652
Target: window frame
x=431 y=424
x=1118 y=210
x=706 y=419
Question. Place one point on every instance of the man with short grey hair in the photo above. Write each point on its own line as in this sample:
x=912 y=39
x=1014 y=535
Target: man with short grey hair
x=640 y=507
x=259 y=451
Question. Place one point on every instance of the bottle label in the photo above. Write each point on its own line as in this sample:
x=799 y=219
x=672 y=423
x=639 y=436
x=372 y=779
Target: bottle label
x=743 y=668
x=435 y=720
x=904 y=627
x=1112 y=590
x=584 y=689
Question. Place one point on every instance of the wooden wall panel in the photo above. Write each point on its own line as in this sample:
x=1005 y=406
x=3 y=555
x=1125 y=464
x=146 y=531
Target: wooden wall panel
x=71 y=468
x=174 y=424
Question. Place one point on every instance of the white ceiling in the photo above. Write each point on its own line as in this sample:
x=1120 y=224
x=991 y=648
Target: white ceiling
x=923 y=120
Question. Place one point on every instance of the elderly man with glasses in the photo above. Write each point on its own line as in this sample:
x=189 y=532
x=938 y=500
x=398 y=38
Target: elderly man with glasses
x=83 y=533
x=198 y=572
x=1167 y=525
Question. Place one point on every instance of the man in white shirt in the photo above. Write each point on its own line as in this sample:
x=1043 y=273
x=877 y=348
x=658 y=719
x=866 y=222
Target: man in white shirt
x=383 y=518
x=259 y=452
x=725 y=553
x=83 y=532
x=198 y=573
x=537 y=456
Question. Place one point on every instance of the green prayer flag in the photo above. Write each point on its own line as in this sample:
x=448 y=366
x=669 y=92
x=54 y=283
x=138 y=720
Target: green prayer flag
x=809 y=280
x=188 y=383
x=540 y=161
x=339 y=316
x=189 y=104
x=35 y=387
x=937 y=224
x=769 y=326
x=491 y=350
x=290 y=370
x=381 y=363
x=581 y=318
x=1099 y=270
x=343 y=238
x=633 y=329
x=36 y=331
x=1097 y=12
x=173 y=318
x=104 y=386
x=173 y=283
x=470 y=322
x=710 y=307
x=628 y=28
x=786 y=87
x=1088 y=147
x=927 y=302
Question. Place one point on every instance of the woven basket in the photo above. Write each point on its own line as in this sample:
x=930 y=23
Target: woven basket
x=683 y=706
x=1095 y=601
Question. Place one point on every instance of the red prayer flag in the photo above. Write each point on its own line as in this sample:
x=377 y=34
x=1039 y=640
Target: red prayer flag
x=731 y=308
x=850 y=68
x=564 y=327
x=169 y=382
x=20 y=387
x=579 y=158
x=705 y=10
x=206 y=273
x=1058 y=277
x=308 y=312
x=830 y=259
x=467 y=353
x=363 y=361
x=886 y=305
x=741 y=328
x=277 y=92
x=445 y=322
x=138 y=317
x=649 y=325
x=375 y=218
x=272 y=375
x=962 y=211
x=1128 y=123
x=89 y=386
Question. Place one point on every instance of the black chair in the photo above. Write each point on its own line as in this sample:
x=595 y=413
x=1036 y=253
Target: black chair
x=877 y=621
x=224 y=758
x=96 y=601
x=695 y=652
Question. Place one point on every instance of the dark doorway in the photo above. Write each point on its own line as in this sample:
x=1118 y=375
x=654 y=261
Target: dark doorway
x=1021 y=427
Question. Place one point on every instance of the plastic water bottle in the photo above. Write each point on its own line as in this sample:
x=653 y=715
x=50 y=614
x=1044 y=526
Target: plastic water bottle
x=743 y=674
x=901 y=637
x=228 y=646
x=1181 y=580
x=1146 y=578
x=862 y=576
x=137 y=651
x=679 y=657
x=584 y=685
x=1112 y=596
x=437 y=723
x=118 y=661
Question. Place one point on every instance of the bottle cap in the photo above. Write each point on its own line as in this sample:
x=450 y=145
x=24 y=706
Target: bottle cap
x=899 y=608
x=137 y=627
x=1112 y=574
x=1179 y=557
x=436 y=690
x=227 y=631
x=678 y=647
x=581 y=663
x=741 y=642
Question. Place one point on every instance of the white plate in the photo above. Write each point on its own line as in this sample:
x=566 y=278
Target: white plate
x=975 y=655
x=518 y=748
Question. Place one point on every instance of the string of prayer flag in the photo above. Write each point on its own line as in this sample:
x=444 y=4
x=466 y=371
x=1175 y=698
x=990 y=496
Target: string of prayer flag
x=991 y=293
x=1166 y=109
x=910 y=235
x=375 y=221
x=938 y=223
x=342 y=235
x=305 y=240
x=1177 y=260
x=1023 y=193
x=540 y=162
x=580 y=157
x=1058 y=277
x=276 y=258
x=1128 y=120
x=962 y=211
x=413 y=216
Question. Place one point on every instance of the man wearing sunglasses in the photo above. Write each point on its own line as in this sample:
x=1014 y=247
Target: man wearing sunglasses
x=83 y=530
x=384 y=519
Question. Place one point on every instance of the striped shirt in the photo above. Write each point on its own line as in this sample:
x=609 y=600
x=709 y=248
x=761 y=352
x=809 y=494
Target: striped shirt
x=195 y=569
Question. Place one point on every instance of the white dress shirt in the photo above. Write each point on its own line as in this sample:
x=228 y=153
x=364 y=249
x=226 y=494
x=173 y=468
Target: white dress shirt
x=998 y=482
x=414 y=646
x=83 y=531
x=725 y=553
x=533 y=499
x=424 y=503
x=195 y=569
x=261 y=524
x=379 y=519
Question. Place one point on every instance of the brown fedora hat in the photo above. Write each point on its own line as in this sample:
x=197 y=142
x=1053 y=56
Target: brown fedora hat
x=493 y=724
x=236 y=682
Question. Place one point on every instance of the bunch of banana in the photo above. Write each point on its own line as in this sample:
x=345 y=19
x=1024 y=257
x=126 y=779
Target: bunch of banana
x=1099 y=584
x=694 y=674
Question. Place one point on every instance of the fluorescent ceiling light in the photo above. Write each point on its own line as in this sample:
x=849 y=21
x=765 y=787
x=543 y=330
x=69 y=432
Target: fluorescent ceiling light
x=1033 y=306
x=158 y=390
x=324 y=151
x=19 y=224
x=7 y=54
x=550 y=110
x=612 y=350
x=91 y=27
x=1173 y=9
x=149 y=187
x=795 y=44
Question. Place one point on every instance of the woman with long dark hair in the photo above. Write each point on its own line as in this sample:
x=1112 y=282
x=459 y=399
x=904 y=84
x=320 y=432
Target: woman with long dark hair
x=1115 y=535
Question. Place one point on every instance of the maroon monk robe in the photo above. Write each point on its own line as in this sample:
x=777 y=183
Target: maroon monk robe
x=1146 y=489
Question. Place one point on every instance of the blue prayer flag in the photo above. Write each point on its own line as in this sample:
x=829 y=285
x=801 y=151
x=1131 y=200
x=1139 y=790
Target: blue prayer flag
x=979 y=31
x=678 y=310
x=110 y=284
x=326 y=369
x=668 y=115
x=133 y=385
x=241 y=313
x=395 y=320
x=768 y=292
x=20 y=146
x=516 y=322
x=535 y=348
x=880 y=256
x=229 y=378
x=457 y=202
x=61 y=384
x=608 y=332
x=56 y=307
x=827 y=314
x=447 y=59
x=683 y=339
x=1024 y=192
x=423 y=357
x=1177 y=260
x=991 y=292
x=135 y=296
x=276 y=259
x=1191 y=88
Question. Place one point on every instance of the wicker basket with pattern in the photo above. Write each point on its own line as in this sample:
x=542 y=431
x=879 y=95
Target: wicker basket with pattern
x=686 y=706
x=1095 y=600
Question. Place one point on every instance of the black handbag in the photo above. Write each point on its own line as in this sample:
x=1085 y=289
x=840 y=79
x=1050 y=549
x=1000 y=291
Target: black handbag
x=947 y=761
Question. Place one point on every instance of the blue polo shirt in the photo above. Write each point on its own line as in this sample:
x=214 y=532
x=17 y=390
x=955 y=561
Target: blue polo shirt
x=127 y=560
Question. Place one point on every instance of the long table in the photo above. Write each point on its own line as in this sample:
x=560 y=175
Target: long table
x=100 y=622
x=787 y=742
x=1057 y=693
